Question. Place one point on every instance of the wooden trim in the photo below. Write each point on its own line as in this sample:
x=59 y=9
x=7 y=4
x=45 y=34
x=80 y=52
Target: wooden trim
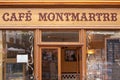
x=59 y=63
x=61 y=44
x=83 y=76
x=110 y=27
x=40 y=36
x=80 y=36
x=36 y=54
x=40 y=64
x=63 y=3
x=77 y=63
x=61 y=6
x=80 y=62
x=85 y=4
x=106 y=54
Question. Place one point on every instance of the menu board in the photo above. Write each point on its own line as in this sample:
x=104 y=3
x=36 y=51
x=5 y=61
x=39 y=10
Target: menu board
x=113 y=58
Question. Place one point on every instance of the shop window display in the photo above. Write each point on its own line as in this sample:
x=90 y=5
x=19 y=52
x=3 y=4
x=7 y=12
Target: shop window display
x=17 y=42
x=103 y=64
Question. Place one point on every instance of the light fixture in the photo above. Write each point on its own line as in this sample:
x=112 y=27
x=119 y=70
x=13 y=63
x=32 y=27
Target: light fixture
x=90 y=51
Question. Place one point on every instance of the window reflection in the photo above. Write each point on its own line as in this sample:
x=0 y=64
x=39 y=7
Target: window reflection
x=17 y=42
x=49 y=64
x=100 y=65
x=14 y=71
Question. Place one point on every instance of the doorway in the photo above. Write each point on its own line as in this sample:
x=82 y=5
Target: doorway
x=60 y=63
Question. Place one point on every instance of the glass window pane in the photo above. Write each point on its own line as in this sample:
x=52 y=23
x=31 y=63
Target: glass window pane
x=14 y=71
x=103 y=63
x=17 y=42
x=49 y=64
x=60 y=36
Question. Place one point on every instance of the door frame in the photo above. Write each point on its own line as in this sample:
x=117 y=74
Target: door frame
x=40 y=60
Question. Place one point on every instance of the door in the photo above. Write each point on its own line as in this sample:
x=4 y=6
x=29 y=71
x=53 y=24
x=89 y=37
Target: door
x=71 y=63
x=50 y=63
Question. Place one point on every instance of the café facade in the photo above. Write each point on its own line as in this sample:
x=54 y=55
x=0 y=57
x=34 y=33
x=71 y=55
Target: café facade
x=47 y=40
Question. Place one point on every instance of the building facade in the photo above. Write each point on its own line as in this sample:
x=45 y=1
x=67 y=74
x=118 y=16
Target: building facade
x=59 y=40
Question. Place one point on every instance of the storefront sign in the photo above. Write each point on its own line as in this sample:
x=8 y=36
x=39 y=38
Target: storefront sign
x=60 y=16
x=63 y=16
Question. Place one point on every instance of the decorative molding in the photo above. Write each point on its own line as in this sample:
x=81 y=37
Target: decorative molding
x=60 y=3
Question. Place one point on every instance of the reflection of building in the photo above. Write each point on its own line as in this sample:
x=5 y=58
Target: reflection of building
x=45 y=30
x=17 y=43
